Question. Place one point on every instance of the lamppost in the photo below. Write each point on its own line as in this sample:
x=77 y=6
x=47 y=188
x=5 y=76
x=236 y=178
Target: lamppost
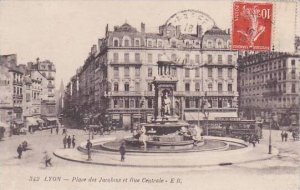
x=88 y=145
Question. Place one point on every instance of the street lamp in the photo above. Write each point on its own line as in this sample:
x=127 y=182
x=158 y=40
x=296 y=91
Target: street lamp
x=270 y=132
x=88 y=145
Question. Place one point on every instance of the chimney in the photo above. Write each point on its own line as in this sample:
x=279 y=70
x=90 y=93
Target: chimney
x=143 y=27
x=178 y=31
x=199 y=31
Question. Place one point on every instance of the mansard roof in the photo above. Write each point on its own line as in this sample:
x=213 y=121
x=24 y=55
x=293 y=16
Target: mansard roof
x=215 y=31
x=126 y=28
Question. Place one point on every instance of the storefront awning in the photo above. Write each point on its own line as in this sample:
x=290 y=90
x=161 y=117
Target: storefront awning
x=18 y=121
x=31 y=121
x=51 y=118
x=193 y=116
x=5 y=125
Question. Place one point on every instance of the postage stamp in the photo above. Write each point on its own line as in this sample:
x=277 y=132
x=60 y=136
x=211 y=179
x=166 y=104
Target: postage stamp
x=252 y=26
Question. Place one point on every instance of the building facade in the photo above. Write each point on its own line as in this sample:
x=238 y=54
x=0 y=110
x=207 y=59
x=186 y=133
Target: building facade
x=117 y=77
x=269 y=84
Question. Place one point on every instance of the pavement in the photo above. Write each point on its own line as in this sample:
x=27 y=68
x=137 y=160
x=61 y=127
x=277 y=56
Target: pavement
x=281 y=172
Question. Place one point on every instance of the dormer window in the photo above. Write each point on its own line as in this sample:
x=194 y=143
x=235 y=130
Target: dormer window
x=209 y=44
x=116 y=43
x=159 y=44
x=149 y=43
x=126 y=43
x=137 y=42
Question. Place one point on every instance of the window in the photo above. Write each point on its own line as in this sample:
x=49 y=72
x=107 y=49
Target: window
x=187 y=73
x=293 y=63
x=138 y=103
x=126 y=42
x=137 y=71
x=150 y=104
x=284 y=75
x=209 y=72
x=197 y=72
x=126 y=86
x=187 y=58
x=220 y=59
x=137 y=86
x=116 y=87
x=149 y=43
x=220 y=72
x=209 y=103
x=173 y=57
x=115 y=103
x=209 y=44
x=210 y=87
x=116 y=57
x=137 y=42
x=150 y=86
x=149 y=72
x=209 y=58
x=284 y=63
x=173 y=44
x=220 y=87
x=131 y=103
x=197 y=86
x=293 y=74
x=126 y=57
x=229 y=87
x=187 y=87
x=149 y=58
x=293 y=88
x=229 y=59
x=219 y=103
x=121 y=103
x=229 y=73
x=116 y=71
x=173 y=71
x=126 y=71
x=187 y=103
x=159 y=44
x=197 y=59
x=126 y=103
x=116 y=43
x=137 y=57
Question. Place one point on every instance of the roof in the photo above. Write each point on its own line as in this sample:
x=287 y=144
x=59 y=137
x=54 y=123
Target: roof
x=125 y=28
x=215 y=31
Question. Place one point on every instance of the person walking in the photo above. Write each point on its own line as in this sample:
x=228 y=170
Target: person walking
x=122 y=151
x=65 y=141
x=64 y=132
x=47 y=159
x=69 y=141
x=282 y=136
x=20 y=150
x=73 y=141
x=285 y=136
x=57 y=130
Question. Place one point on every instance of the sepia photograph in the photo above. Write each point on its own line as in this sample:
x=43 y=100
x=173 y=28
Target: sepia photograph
x=149 y=94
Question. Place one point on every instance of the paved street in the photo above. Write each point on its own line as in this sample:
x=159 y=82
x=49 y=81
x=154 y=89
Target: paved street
x=280 y=172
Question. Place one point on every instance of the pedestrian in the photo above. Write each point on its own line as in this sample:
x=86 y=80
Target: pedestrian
x=73 y=141
x=294 y=135
x=20 y=150
x=51 y=130
x=65 y=141
x=285 y=136
x=122 y=151
x=57 y=130
x=282 y=136
x=47 y=159
x=64 y=132
x=69 y=141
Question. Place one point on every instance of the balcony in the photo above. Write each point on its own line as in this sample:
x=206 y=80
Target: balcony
x=17 y=96
x=208 y=93
x=272 y=93
x=20 y=83
x=127 y=63
x=126 y=93
x=218 y=64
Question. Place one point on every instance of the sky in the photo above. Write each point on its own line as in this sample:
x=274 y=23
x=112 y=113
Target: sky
x=64 y=31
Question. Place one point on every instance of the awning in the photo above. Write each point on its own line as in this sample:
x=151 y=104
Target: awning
x=193 y=116
x=5 y=125
x=51 y=118
x=31 y=121
x=18 y=121
x=39 y=120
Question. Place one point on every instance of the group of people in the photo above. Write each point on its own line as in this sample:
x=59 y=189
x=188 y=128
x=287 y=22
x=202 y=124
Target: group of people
x=67 y=141
x=284 y=136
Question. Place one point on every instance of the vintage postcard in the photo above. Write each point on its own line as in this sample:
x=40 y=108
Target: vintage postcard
x=144 y=94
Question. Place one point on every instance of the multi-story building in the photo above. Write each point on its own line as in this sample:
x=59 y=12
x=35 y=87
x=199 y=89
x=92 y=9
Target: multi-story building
x=117 y=79
x=44 y=71
x=269 y=84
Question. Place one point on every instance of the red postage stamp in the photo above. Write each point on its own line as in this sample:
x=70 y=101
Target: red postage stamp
x=252 y=26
